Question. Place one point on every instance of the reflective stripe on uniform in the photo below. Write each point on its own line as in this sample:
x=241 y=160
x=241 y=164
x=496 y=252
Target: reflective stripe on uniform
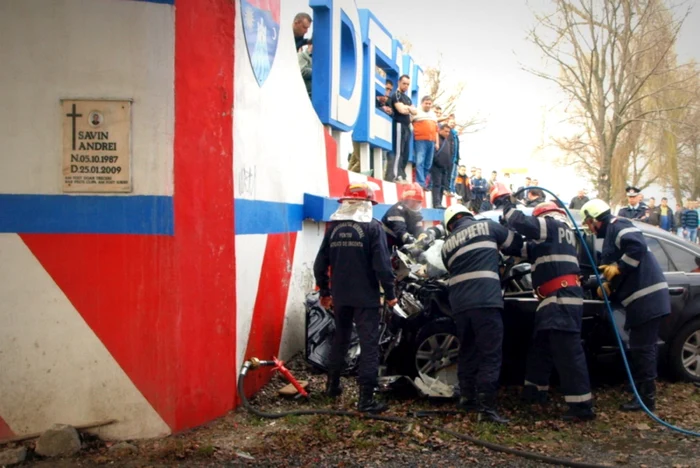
x=554 y=258
x=644 y=292
x=578 y=398
x=576 y=301
x=509 y=214
x=541 y=388
x=470 y=247
x=523 y=251
x=623 y=233
x=509 y=240
x=630 y=261
x=485 y=274
x=398 y=219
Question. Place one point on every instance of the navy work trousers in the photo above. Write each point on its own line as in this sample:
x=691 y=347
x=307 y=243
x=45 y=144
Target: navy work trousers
x=367 y=324
x=644 y=350
x=561 y=350
x=480 y=333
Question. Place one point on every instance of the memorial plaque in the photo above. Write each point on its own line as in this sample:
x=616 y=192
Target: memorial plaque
x=96 y=146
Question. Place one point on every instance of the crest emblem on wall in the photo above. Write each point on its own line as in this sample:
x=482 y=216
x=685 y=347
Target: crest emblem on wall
x=261 y=27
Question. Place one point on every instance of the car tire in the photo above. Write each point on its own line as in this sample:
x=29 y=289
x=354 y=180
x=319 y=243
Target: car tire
x=685 y=346
x=439 y=339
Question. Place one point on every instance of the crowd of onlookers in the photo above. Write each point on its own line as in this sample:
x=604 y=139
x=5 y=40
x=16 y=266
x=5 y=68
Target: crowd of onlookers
x=421 y=135
x=683 y=220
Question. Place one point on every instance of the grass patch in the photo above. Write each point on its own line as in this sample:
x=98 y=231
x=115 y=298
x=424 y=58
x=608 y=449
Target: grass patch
x=206 y=451
x=296 y=420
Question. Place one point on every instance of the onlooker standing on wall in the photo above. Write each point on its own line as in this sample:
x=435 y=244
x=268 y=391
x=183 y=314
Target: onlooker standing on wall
x=403 y=109
x=690 y=223
x=426 y=140
x=442 y=165
x=305 y=63
x=300 y=26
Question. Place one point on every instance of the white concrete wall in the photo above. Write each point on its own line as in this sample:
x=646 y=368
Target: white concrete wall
x=278 y=137
x=302 y=282
x=62 y=49
x=276 y=131
x=49 y=50
x=54 y=368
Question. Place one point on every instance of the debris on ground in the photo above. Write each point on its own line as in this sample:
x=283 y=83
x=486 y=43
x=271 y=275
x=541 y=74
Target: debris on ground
x=241 y=439
x=13 y=456
x=58 y=441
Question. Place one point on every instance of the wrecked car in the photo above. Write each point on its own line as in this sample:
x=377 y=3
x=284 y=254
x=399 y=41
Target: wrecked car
x=418 y=338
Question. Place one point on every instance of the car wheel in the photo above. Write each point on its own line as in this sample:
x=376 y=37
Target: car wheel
x=684 y=354
x=437 y=351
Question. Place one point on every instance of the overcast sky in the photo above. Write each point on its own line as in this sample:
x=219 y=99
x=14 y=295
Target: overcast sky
x=484 y=44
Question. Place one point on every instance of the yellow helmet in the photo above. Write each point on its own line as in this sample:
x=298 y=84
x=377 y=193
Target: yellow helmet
x=453 y=211
x=594 y=209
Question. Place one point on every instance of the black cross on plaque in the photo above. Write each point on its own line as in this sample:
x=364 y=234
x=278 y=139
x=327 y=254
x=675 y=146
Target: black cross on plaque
x=74 y=116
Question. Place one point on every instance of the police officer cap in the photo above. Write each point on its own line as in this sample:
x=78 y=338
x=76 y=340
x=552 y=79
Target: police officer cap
x=632 y=191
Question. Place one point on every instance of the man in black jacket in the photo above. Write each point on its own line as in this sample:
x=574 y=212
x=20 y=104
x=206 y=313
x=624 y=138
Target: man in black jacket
x=354 y=248
x=578 y=201
x=442 y=166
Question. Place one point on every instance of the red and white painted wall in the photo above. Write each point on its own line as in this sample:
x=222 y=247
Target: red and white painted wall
x=141 y=307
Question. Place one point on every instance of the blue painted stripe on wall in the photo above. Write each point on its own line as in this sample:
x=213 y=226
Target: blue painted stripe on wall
x=86 y=214
x=319 y=208
x=153 y=215
x=263 y=217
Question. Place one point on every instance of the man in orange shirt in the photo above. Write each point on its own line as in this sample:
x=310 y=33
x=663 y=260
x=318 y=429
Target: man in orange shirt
x=425 y=135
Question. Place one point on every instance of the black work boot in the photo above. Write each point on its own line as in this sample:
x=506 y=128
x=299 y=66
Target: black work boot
x=531 y=395
x=467 y=399
x=487 y=409
x=646 y=390
x=368 y=404
x=333 y=387
x=579 y=412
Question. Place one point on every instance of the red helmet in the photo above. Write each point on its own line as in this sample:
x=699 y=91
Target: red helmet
x=413 y=192
x=498 y=190
x=547 y=207
x=358 y=191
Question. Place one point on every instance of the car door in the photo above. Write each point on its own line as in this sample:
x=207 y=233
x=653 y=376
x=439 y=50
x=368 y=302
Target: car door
x=675 y=261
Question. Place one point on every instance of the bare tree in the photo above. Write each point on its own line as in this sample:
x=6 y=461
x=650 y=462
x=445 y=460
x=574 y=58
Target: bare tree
x=612 y=58
x=448 y=96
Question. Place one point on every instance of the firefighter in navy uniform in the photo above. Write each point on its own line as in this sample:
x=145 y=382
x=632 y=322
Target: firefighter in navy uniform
x=551 y=249
x=471 y=256
x=403 y=222
x=634 y=278
x=354 y=247
x=636 y=209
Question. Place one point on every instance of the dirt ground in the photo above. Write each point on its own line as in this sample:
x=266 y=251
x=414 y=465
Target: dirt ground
x=241 y=439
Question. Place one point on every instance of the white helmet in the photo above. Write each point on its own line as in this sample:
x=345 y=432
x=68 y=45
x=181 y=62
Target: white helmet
x=452 y=211
x=594 y=209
